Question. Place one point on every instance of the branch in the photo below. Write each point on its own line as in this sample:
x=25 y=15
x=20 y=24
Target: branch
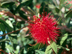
x=67 y=29
x=17 y=18
x=11 y=32
x=33 y=44
x=23 y=9
x=3 y=51
x=11 y=15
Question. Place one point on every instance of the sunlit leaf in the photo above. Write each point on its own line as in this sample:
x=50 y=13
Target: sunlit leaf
x=63 y=38
x=39 y=52
x=6 y=25
x=9 y=23
x=48 y=50
x=54 y=47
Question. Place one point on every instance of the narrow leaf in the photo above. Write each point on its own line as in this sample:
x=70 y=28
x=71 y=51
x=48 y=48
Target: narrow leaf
x=54 y=47
x=48 y=49
x=63 y=38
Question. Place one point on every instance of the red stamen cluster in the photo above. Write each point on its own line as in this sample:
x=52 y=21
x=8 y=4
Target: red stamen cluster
x=44 y=29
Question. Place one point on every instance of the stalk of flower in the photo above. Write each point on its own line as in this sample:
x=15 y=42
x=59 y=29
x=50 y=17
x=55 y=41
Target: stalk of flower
x=38 y=6
x=68 y=2
x=44 y=29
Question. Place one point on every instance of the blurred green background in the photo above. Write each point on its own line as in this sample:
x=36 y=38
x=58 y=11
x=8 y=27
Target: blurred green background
x=14 y=32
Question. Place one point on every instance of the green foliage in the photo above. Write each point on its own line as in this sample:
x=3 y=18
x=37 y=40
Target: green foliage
x=57 y=10
x=63 y=38
x=7 y=5
x=50 y=47
x=39 y=52
x=54 y=47
x=2 y=27
x=23 y=4
x=48 y=50
x=69 y=14
x=44 y=8
x=5 y=25
x=19 y=41
x=10 y=6
x=0 y=16
x=21 y=13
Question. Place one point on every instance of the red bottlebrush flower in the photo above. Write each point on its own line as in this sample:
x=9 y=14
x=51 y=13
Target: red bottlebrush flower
x=38 y=6
x=44 y=29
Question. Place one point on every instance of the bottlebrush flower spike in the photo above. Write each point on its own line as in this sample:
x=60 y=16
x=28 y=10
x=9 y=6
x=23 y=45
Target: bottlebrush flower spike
x=44 y=29
x=38 y=6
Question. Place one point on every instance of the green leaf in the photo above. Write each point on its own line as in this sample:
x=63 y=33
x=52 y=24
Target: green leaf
x=18 y=24
x=62 y=1
x=39 y=52
x=44 y=8
x=48 y=50
x=57 y=10
x=20 y=1
x=69 y=24
x=0 y=16
x=60 y=51
x=69 y=39
x=9 y=48
x=69 y=14
x=3 y=40
x=9 y=29
x=54 y=47
x=10 y=6
x=2 y=27
x=9 y=23
x=14 y=35
x=7 y=5
x=21 y=13
x=63 y=38
x=22 y=4
x=37 y=46
x=14 y=41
